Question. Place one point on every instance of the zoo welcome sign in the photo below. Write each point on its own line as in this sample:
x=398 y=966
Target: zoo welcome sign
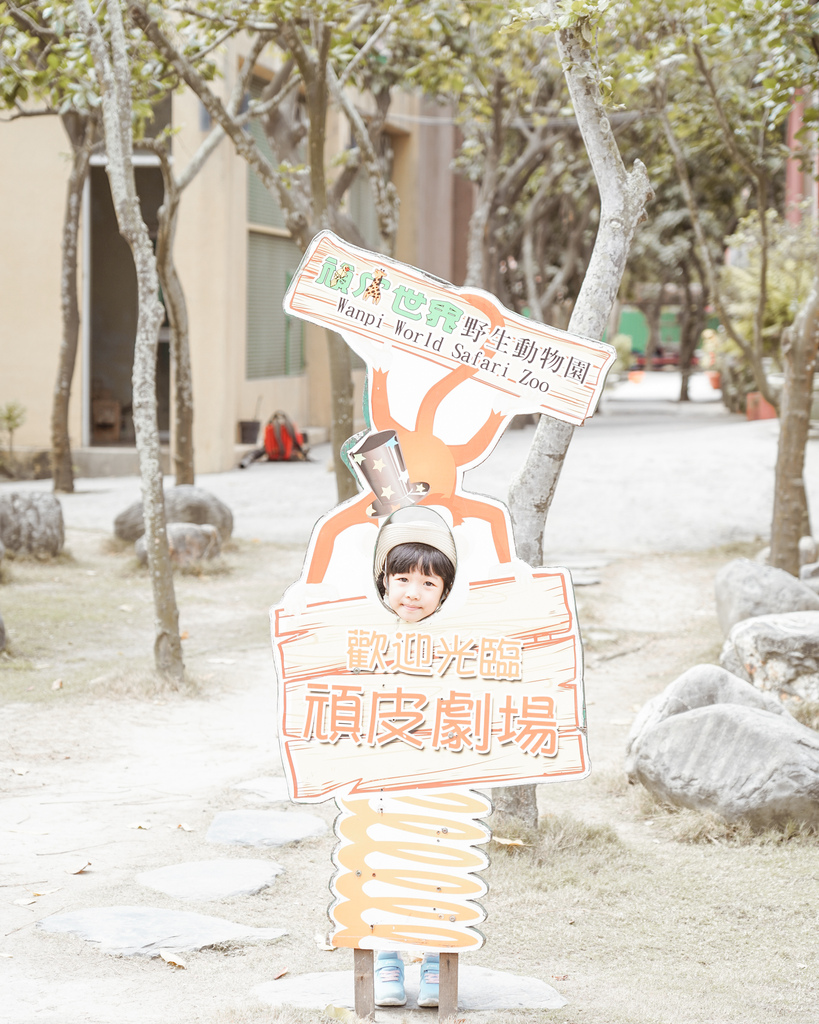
x=375 y=301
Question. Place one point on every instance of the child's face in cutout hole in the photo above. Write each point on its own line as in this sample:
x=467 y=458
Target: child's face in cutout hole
x=414 y=594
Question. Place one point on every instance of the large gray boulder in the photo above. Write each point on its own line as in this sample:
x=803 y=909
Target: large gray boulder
x=31 y=523
x=700 y=686
x=188 y=544
x=183 y=504
x=776 y=652
x=736 y=754
x=745 y=589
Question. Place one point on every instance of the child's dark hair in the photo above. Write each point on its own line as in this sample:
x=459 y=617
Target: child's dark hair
x=423 y=557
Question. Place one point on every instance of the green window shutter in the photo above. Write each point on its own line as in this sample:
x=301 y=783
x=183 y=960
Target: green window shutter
x=275 y=342
x=262 y=207
x=363 y=212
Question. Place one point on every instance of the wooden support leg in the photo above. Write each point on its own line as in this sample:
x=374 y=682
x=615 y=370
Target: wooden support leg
x=363 y=969
x=448 y=985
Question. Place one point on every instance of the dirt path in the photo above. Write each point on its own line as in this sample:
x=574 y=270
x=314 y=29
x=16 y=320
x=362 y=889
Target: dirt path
x=628 y=922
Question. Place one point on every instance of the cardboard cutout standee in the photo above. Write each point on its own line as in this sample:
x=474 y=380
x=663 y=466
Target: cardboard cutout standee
x=395 y=718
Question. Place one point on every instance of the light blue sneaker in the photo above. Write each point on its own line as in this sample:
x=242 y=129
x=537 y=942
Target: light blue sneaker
x=428 y=989
x=389 y=980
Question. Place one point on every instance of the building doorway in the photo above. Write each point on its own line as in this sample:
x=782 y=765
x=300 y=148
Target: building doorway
x=112 y=302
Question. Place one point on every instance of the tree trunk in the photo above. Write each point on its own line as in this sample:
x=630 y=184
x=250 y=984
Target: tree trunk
x=623 y=195
x=479 y=225
x=687 y=345
x=177 y=310
x=654 y=313
x=341 y=411
x=691 y=327
x=799 y=346
x=752 y=352
x=82 y=141
x=515 y=802
x=113 y=72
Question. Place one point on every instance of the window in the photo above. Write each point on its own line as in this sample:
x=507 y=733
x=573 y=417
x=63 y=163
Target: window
x=274 y=342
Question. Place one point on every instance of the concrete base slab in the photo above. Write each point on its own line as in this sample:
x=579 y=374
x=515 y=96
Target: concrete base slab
x=263 y=828
x=271 y=788
x=112 y=460
x=212 y=879
x=479 y=988
x=143 y=931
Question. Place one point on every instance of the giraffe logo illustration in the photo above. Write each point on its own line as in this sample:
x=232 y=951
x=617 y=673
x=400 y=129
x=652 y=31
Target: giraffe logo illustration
x=373 y=289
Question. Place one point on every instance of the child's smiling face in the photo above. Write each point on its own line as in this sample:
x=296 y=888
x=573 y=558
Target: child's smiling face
x=414 y=594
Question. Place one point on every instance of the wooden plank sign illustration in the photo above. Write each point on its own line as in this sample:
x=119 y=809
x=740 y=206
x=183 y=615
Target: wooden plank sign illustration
x=394 y=712
x=484 y=694
x=375 y=301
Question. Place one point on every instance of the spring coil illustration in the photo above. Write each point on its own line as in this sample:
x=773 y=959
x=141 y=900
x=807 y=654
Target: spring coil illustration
x=406 y=871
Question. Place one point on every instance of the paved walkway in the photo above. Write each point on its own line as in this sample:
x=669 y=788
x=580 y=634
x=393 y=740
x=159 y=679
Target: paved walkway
x=645 y=474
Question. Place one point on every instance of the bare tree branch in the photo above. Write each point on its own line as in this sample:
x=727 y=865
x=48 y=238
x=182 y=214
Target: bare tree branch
x=365 y=49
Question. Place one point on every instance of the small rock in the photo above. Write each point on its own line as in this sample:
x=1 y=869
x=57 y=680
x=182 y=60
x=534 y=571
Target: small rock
x=808 y=552
x=809 y=571
x=809 y=575
x=143 y=931
x=183 y=504
x=745 y=589
x=263 y=828
x=212 y=879
x=2 y=550
x=776 y=652
x=188 y=544
x=31 y=522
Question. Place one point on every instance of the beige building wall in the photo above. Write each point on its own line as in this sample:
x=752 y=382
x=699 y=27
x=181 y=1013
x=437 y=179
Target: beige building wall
x=211 y=250
x=211 y=255
x=34 y=170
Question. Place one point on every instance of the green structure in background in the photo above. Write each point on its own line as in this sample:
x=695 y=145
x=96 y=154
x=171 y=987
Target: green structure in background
x=633 y=322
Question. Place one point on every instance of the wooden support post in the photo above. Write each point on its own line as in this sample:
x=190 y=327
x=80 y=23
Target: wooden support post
x=448 y=985
x=363 y=964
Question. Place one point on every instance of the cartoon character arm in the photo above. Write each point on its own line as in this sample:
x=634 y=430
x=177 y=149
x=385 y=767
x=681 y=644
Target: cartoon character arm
x=329 y=532
x=437 y=393
x=464 y=507
x=380 y=414
x=475 y=447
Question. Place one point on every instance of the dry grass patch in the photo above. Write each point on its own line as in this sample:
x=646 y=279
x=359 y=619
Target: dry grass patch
x=88 y=619
x=562 y=842
x=144 y=684
x=688 y=825
x=253 y=1011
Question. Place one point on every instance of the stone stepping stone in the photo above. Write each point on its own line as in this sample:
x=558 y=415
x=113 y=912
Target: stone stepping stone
x=143 y=931
x=263 y=828
x=479 y=988
x=212 y=879
x=273 y=788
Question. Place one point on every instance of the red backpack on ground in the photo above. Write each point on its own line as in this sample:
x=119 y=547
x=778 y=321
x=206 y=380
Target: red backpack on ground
x=282 y=441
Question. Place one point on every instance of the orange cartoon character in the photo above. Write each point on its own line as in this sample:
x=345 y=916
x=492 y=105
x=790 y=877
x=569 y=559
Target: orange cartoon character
x=417 y=657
